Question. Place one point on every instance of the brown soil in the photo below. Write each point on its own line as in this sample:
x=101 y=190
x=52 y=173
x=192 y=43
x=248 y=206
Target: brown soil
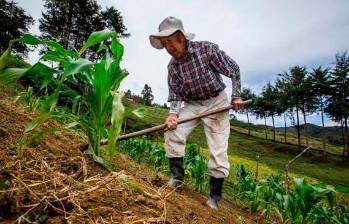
x=54 y=182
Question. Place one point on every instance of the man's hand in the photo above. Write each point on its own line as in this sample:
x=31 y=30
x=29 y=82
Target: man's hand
x=171 y=121
x=237 y=103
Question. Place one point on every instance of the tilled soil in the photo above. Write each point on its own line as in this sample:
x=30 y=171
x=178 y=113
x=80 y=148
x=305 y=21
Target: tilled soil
x=55 y=182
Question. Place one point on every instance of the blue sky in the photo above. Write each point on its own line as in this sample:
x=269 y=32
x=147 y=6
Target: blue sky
x=264 y=37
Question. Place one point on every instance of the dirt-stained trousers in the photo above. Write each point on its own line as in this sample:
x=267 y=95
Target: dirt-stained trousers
x=217 y=129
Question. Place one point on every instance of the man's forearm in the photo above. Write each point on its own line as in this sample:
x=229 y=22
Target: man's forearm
x=236 y=85
x=175 y=106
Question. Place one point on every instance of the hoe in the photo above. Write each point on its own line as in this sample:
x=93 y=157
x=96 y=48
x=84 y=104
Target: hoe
x=163 y=126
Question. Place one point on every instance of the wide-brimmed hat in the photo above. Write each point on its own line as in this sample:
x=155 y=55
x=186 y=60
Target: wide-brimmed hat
x=167 y=27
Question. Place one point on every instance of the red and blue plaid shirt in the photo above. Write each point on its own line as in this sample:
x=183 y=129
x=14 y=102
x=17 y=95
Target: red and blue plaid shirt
x=198 y=75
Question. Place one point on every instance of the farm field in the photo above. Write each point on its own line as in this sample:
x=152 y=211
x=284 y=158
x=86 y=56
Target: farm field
x=131 y=193
x=273 y=155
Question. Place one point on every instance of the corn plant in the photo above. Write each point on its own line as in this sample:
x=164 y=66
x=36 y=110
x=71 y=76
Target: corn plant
x=303 y=203
x=158 y=158
x=305 y=198
x=196 y=168
x=101 y=81
x=143 y=150
x=31 y=102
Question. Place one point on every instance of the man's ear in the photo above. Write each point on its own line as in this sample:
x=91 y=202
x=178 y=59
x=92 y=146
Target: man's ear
x=181 y=36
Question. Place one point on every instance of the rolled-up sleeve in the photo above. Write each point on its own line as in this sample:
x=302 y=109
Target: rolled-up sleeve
x=173 y=85
x=220 y=61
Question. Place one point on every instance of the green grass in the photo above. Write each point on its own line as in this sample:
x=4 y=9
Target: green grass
x=291 y=139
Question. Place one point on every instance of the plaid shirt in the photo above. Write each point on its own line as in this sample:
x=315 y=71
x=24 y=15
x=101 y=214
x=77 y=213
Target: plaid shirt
x=197 y=75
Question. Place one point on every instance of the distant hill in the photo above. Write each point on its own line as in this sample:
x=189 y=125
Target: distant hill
x=333 y=133
x=315 y=130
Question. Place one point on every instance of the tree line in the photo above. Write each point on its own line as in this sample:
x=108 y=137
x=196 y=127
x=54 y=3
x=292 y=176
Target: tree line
x=68 y=22
x=299 y=93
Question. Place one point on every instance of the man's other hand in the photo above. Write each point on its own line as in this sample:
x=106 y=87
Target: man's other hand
x=237 y=103
x=171 y=121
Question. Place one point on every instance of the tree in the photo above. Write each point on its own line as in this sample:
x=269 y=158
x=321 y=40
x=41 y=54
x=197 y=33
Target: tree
x=259 y=111
x=128 y=94
x=147 y=95
x=320 y=89
x=247 y=94
x=270 y=101
x=284 y=103
x=70 y=22
x=300 y=97
x=14 y=23
x=338 y=107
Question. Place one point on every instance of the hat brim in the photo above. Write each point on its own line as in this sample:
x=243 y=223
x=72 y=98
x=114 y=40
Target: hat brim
x=156 y=43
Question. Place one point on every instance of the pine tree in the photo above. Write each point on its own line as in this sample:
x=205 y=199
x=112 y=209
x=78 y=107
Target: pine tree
x=320 y=89
x=338 y=107
x=259 y=111
x=14 y=23
x=70 y=22
x=300 y=96
x=284 y=105
x=270 y=101
x=147 y=95
x=248 y=94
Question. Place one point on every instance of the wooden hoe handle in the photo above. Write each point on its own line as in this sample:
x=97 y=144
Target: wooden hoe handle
x=163 y=126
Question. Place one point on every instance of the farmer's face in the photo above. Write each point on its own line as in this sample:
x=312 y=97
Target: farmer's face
x=175 y=45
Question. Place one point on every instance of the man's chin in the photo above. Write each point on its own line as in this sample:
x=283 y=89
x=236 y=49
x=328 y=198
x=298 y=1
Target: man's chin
x=176 y=56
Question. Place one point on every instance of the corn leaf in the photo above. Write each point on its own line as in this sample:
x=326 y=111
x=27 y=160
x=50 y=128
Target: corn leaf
x=72 y=124
x=49 y=104
x=139 y=112
x=42 y=118
x=101 y=48
x=96 y=38
x=44 y=112
x=30 y=39
x=79 y=66
x=10 y=75
x=55 y=46
x=72 y=54
x=52 y=56
x=299 y=184
x=41 y=134
x=4 y=59
x=342 y=189
x=117 y=117
x=117 y=50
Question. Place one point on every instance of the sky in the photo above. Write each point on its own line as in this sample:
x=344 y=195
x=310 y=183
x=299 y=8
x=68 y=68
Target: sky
x=264 y=37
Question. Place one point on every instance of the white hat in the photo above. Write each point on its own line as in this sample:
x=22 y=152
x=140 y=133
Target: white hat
x=166 y=28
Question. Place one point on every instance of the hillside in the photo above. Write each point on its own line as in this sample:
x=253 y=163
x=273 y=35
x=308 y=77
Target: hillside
x=333 y=133
x=273 y=155
x=54 y=182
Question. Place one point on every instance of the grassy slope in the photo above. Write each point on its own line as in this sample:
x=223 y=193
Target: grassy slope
x=273 y=156
x=291 y=138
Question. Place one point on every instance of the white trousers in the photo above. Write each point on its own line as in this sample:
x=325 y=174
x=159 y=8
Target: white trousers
x=217 y=129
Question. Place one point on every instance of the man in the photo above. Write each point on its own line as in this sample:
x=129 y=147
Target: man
x=194 y=77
